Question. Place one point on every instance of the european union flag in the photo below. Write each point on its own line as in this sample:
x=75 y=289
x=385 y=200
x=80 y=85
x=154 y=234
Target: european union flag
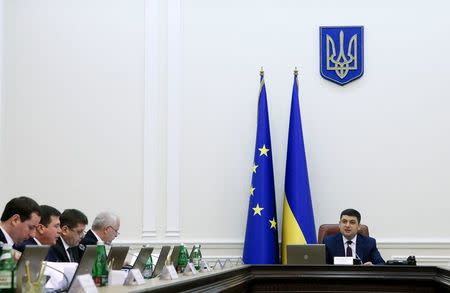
x=298 y=217
x=261 y=237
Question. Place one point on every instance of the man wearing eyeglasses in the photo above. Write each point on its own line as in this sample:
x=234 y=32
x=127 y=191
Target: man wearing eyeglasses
x=105 y=227
x=73 y=223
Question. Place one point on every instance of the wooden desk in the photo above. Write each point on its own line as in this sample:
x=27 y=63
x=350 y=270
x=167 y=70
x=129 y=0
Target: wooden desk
x=328 y=278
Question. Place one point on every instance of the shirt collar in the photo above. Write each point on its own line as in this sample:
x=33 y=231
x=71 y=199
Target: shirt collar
x=9 y=240
x=66 y=246
x=96 y=236
x=353 y=239
x=37 y=241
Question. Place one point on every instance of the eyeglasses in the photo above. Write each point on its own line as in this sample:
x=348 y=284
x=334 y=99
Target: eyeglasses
x=117 y=231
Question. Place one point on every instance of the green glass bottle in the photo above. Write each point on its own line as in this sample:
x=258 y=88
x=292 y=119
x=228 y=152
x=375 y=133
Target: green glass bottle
x=197 y=257
x=7 y=270
x=183 y=259
x=148 y=268
x=100 y=269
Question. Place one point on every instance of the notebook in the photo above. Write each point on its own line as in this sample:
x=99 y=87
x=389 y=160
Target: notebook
x=86 y=263
x=161 y=260
x=306 y=254
x=174 y=255
x=35 y=254
x=116 y=256
x=142 y=258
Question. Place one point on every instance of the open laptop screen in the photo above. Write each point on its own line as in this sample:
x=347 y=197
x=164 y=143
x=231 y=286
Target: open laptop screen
x=306 y=254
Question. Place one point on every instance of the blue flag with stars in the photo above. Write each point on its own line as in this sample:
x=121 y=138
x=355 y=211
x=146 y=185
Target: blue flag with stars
x=261 y=236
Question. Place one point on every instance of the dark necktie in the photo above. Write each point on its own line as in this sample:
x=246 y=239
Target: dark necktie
x=69 y=251
x=349 y=249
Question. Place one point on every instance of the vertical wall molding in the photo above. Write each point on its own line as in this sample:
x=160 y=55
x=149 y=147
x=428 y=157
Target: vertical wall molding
x=151 y=120
x=2 y=99
x=174 y=92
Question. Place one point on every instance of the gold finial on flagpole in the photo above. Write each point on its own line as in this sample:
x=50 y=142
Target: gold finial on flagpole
x=261 y=72
x=295 y=71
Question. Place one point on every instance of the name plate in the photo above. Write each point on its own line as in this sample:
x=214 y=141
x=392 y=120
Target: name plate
x=190 y=270
x=343 y=260
x=84 y=283
x=168 y=273
x=205 y=266
x=134 y=277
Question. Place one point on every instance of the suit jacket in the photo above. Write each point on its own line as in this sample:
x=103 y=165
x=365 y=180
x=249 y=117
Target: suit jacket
x=88 y=239
x=366 y=248
x=21 y=247
x=57 y=253
x=2 y=239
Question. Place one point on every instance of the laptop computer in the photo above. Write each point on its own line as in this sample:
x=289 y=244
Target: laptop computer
x=306 y=254
x=86 y=263
x=117 y=255
x=142 y=258
x=35 y=254
x=174 y=256
x=161 y=261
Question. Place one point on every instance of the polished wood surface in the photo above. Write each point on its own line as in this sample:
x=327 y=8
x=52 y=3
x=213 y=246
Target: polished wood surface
x=293 y=278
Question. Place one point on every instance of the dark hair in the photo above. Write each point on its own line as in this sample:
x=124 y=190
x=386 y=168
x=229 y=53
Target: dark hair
x=72 y=217
x=47 y=212
x=22 y=206
x=352 y=213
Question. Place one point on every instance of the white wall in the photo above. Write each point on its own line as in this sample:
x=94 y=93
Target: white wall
x=154 y=102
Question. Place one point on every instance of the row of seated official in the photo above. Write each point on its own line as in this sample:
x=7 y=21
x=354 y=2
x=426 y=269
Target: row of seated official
x=24 y=222
x=349 y=242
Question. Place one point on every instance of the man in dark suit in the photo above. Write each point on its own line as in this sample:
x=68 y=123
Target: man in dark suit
x=48 y=230
x=350 y=243
x=73 y=223
x=19 y=220
x=105 y=227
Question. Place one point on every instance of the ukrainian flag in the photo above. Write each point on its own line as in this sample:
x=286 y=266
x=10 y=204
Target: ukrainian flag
x=298 y=217
x=261 y=236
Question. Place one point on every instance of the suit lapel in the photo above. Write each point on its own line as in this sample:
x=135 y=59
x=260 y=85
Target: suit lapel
x=61 y=251
x=339 y=245
x=360 y=247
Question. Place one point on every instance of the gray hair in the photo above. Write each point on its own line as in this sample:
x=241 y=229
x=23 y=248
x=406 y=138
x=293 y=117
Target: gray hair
x=104 y=219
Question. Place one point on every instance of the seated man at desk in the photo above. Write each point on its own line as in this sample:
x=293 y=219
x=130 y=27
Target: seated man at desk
x=348 y=242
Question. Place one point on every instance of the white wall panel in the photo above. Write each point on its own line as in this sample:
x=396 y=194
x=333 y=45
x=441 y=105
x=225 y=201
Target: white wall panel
x=148 y=108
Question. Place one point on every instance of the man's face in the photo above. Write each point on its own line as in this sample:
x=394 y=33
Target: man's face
x=73 y=236
x=111 y=233
x=24 y=230
x=348 y=226
x=48 y=235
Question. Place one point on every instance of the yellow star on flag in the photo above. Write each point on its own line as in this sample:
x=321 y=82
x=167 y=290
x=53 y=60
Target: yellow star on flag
x=257 y=210
x=254 y=167
x=251 y=190
x=273 y=223
x=263 y=150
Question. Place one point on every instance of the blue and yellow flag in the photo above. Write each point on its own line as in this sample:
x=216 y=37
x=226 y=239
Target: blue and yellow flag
x=261 y=236
x=298 y=216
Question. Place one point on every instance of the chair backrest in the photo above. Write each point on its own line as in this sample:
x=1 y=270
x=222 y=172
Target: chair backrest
x=331 y=229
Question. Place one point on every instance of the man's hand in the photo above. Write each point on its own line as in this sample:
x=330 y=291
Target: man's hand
x=369 y=263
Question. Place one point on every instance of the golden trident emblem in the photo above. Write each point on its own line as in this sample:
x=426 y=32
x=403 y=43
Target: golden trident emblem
x=342 y=63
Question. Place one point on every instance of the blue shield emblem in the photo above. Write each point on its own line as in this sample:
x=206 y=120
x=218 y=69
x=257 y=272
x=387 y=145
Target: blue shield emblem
x=341 y=53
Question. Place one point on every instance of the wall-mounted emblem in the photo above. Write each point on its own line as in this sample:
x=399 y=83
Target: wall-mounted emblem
x=341 y=53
